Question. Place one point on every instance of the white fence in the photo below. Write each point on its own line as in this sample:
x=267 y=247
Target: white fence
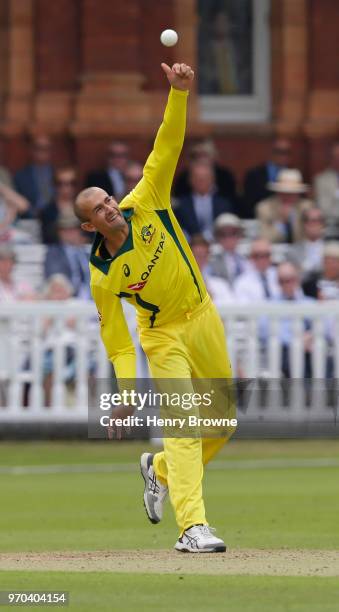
x=52 y=349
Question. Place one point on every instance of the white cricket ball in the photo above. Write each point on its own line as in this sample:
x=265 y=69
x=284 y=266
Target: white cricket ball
x=169 y=38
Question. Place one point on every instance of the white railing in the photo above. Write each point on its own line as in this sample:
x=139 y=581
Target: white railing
x=255 y=337
x=35 y=362
x=250 y=328
x=35 y=339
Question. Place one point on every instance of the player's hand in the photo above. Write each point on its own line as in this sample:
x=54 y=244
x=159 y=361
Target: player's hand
x=115 y=431
x=180 y=76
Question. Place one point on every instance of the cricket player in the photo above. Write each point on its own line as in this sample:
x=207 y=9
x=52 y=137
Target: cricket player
x=141 y=255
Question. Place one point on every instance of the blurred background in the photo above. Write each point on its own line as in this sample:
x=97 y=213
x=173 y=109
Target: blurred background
x=256 y=192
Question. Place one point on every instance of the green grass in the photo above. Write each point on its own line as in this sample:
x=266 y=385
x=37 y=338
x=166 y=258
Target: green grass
x=260 y=508
x=107 y=592
x=41 y=453
x=265 y=508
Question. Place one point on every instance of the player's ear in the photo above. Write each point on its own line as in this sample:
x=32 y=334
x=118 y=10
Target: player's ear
x=87 y=227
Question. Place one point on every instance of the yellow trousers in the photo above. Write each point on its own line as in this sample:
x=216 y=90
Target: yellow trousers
x=191 y=347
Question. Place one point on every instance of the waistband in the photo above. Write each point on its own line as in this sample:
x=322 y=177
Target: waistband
x=186 y=316
x=192 y=314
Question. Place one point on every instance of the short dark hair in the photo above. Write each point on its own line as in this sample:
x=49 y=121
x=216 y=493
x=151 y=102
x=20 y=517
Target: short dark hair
x=199 y=240
x=77 y=208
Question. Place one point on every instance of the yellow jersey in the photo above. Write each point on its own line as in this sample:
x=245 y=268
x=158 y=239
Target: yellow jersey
x=154 y=269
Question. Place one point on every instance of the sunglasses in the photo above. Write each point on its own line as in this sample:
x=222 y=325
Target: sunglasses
x=70 y=183
x=262 y=255
x=229 y=233
x=287 y=279
x=117 y=154
x=315 y=220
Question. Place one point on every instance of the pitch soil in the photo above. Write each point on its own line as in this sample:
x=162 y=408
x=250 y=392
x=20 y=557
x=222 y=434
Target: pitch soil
x=242 y=561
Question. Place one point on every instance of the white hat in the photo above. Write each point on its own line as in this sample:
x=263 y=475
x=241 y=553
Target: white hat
x=226 y=220
x=288 y=181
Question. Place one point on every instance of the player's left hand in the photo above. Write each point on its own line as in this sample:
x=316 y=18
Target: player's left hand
x=180 y=76
x=115 y=431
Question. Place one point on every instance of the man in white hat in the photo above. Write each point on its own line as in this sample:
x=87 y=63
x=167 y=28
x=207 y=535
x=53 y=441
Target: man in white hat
x=225 y=261
x=279 y=215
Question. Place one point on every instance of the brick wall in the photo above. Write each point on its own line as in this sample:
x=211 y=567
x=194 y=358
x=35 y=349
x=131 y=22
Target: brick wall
x=324 y=44
x=110 y=39
x=86 y=75
x=57 y=45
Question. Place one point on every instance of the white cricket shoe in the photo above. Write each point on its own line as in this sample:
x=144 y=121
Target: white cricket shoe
x=155 y=493
x=200 y=539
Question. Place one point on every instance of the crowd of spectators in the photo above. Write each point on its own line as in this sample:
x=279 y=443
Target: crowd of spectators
x=274 y=238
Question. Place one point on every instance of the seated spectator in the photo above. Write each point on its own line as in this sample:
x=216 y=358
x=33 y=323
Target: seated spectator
x=61 y=205
x=259 y=282
x=308 y=252
x=279 y=215
x=291 y=291
x=111 y=178
x=205 y=151
x=325 y=284
x=132 y=175
x=326 y=187
x=12 y=204
x=257 y=179
x=196 y=212
x=225 y=261
x=35 y=181
x=217 y=287
x=69 y=256
x=11 y=289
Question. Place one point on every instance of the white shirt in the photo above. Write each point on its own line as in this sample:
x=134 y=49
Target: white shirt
x=312 y=256
x=235 y=265
x=328 y=289
x=203 y=206
x=249 y=287
x=286 y=325
x=15 y=291
x=219 y=290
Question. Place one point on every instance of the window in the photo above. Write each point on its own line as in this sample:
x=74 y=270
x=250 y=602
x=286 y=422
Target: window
x=233 y=60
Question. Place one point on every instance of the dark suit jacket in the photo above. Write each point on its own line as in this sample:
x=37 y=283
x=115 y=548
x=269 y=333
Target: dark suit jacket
x=187 y=217
x=100 y=178
x=48 y=217
x=57 y=262
x=225 y=184
x=255 y=190
x=310 y=284
x=25 y=183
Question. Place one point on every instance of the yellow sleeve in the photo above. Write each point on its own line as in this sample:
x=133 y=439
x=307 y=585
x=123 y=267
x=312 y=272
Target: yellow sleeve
x=153 y=191
x=114 y=333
